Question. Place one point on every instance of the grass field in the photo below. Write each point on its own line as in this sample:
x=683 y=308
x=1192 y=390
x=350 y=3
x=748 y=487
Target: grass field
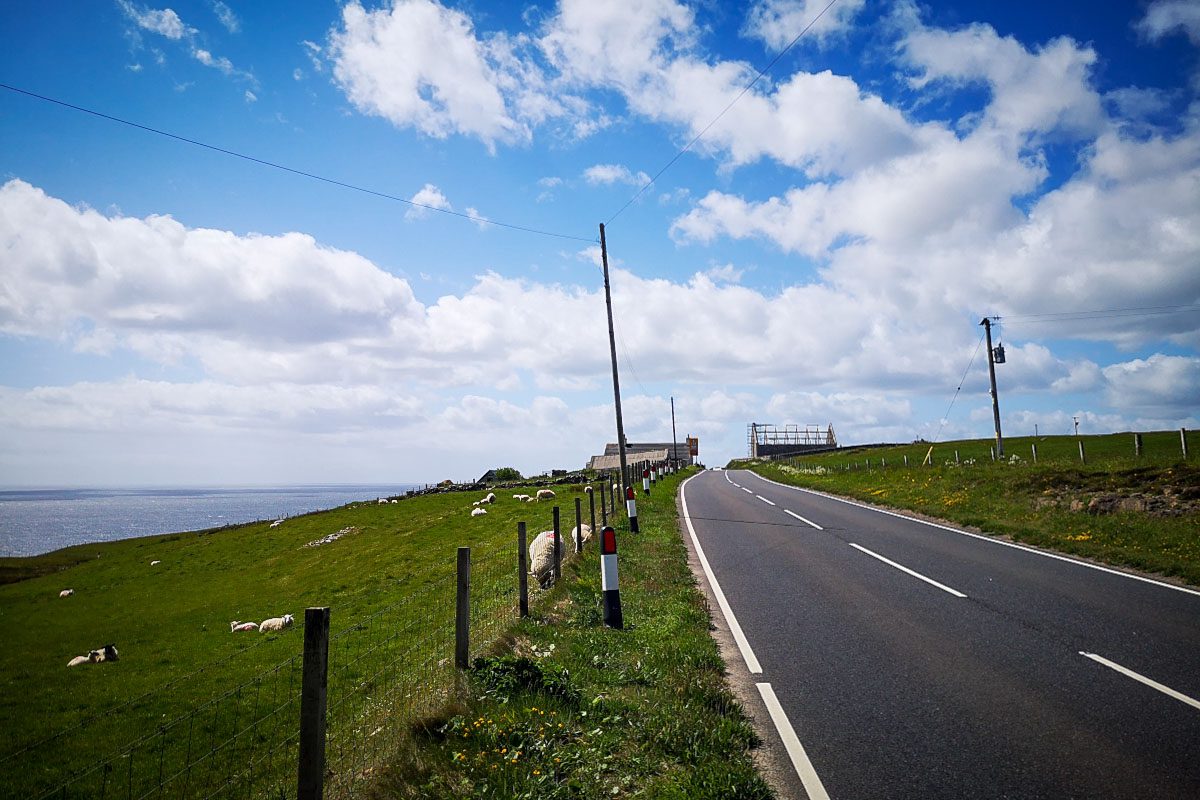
x=642 y=711
x=1141 y=512
x=394 y=572
x=570 y=709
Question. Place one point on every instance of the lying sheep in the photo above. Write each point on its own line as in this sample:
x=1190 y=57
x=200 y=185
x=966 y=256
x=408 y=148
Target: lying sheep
x=478 y=512
x=155 y=563
x=587 y=534
x=587 y=489
x=491 y=497
x=545 y=494
x=106 y=653
x=276 y=623
x=529 y=499
x=477 y=502
x=541 y=558
x=66 y=593
x=238 y=627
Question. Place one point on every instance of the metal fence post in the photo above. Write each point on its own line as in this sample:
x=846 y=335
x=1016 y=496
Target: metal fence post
x=462 y=610
x=522 y=570
x=557 y=547
x=310 y=775
x=578 y=537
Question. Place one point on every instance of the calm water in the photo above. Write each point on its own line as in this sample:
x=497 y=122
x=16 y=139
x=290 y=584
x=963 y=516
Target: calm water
x=38 y=521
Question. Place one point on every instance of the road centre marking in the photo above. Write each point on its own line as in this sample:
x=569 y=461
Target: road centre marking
x=983 y=538
x=802 y=519
x=791 y=742
x=765 y=500
x=744 y=489
x=902 y=568
x=734 y=628
x=1128 y=673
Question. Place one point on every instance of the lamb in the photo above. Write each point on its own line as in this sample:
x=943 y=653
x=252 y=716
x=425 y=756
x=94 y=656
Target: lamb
x=66 y=593
x=106 y=653
x=477 y=502
x=478 y=512
x=491 y=497
x=155 y=563
x=587 y=534
x=276 y=523
x=276 y=623
x=588 y=489
x=238 y=627
x=541 y=558
x=545 y=494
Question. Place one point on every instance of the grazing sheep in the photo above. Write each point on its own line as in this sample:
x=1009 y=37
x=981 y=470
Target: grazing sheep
x=106 y=653
x=276 y=523
x=66 y=593
x=587 y=489
x=541 y=558
x=155 y=563
x=545 y=494
x=529 y=499
x=587 y=534
x=477 y=502
x=276 y=623
x=238 y=627
x=491 y=497
x=478 y=512
x=382 y=501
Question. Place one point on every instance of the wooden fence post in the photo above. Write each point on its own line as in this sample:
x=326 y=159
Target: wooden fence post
x=1034 y=448
x=604 y=501
x=462 y=610
x=310 y=778
x=1137 y=445
x=906 y=461
x=557 y=547
x=592 y=509
x=578 y=526
x=1183 y=442
x=1082 y=456
x=522 y=570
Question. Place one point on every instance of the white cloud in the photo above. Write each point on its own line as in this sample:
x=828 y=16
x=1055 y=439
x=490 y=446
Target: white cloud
x=226 y=16
x=1159 y=382
x=607 y=174
x=429 y=197
x=164 y=22
x=251 y=97
x=778 y=22
x=420 y=64
x=1164 y=17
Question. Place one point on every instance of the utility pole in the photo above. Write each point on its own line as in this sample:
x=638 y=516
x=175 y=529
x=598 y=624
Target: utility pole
x=612 y=347
x=674 y=443
x=987 y=328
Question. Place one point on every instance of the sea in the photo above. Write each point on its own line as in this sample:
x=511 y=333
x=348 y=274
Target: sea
x=36 y=521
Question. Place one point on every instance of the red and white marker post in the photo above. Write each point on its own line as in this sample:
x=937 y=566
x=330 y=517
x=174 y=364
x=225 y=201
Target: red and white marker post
x=646 y=481
x=608 y=577
x=631 y=509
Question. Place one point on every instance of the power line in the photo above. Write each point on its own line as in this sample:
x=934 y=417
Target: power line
x=961 y=381
x=717 y=118
x=1104 y=313
x=293 y=170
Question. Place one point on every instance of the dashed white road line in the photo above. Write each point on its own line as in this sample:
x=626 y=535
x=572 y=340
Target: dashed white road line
x=765 y=500
x=1128 y=673
x=744 y=489
x=734 y=628
x=802 y=519
x=982 y=537
x=795 y=750
x=902 y=568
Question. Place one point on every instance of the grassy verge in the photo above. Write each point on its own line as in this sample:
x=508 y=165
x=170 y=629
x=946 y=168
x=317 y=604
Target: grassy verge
x=567 y=708
x=1115 y=508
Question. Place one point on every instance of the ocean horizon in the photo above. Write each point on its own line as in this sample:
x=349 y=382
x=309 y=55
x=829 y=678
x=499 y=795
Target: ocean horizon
x=36 y=520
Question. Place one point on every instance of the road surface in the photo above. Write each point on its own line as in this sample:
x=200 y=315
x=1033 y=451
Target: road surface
x=899 y=659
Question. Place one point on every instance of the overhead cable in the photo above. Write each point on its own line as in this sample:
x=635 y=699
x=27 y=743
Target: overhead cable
x=273 y=165
x=715 y=119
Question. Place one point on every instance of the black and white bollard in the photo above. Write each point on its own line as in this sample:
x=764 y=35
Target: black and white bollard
x=631 y=509
x=646 y=481
x=608 y=578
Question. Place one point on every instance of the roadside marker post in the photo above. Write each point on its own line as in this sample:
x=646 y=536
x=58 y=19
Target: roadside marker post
x=631 y=509
x=646 y=481
x=608 y=578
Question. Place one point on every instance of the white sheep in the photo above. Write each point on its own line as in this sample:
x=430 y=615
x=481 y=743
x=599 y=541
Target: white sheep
x=478 y=512
x=545 y=494
x=276 y=623
x=276 y=523
x=529 y=499
x=106 y=653
x=66 y=593
x=381 y=501
x=588 y=489
x=541 y=558
x=519 y=496
x=238 y=627
x=587 y=534
x=491 y=497
x=477 y=502
x=155 y=563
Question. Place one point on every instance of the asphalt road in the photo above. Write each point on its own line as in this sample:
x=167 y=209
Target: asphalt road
x=957 y=668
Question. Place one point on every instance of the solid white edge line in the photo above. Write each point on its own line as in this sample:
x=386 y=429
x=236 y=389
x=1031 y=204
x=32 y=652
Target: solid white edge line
x=1128 y=673
x=765 y=500
x=802 y=519
x=983 y=538
x=734 y=628
x=903 y=568
x=804 y=768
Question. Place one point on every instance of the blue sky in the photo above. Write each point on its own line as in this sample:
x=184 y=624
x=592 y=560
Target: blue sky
x=822 y=255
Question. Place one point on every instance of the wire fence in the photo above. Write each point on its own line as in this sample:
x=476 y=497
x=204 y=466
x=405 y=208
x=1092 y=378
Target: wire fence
x=386 y=671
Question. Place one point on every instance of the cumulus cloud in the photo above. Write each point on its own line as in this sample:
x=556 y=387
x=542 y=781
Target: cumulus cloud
x=164 y=22
x=1165 y=17
x=226 y=16
x=1160 y=382
x=607 y=174
x=778 y=22
x=429 y=197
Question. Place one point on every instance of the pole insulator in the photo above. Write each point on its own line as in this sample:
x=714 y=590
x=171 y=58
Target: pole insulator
x=608 y=578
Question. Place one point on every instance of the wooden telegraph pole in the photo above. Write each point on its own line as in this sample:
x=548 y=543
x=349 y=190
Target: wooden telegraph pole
x=612 y=347
x=987 y=328
x=674 y=443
